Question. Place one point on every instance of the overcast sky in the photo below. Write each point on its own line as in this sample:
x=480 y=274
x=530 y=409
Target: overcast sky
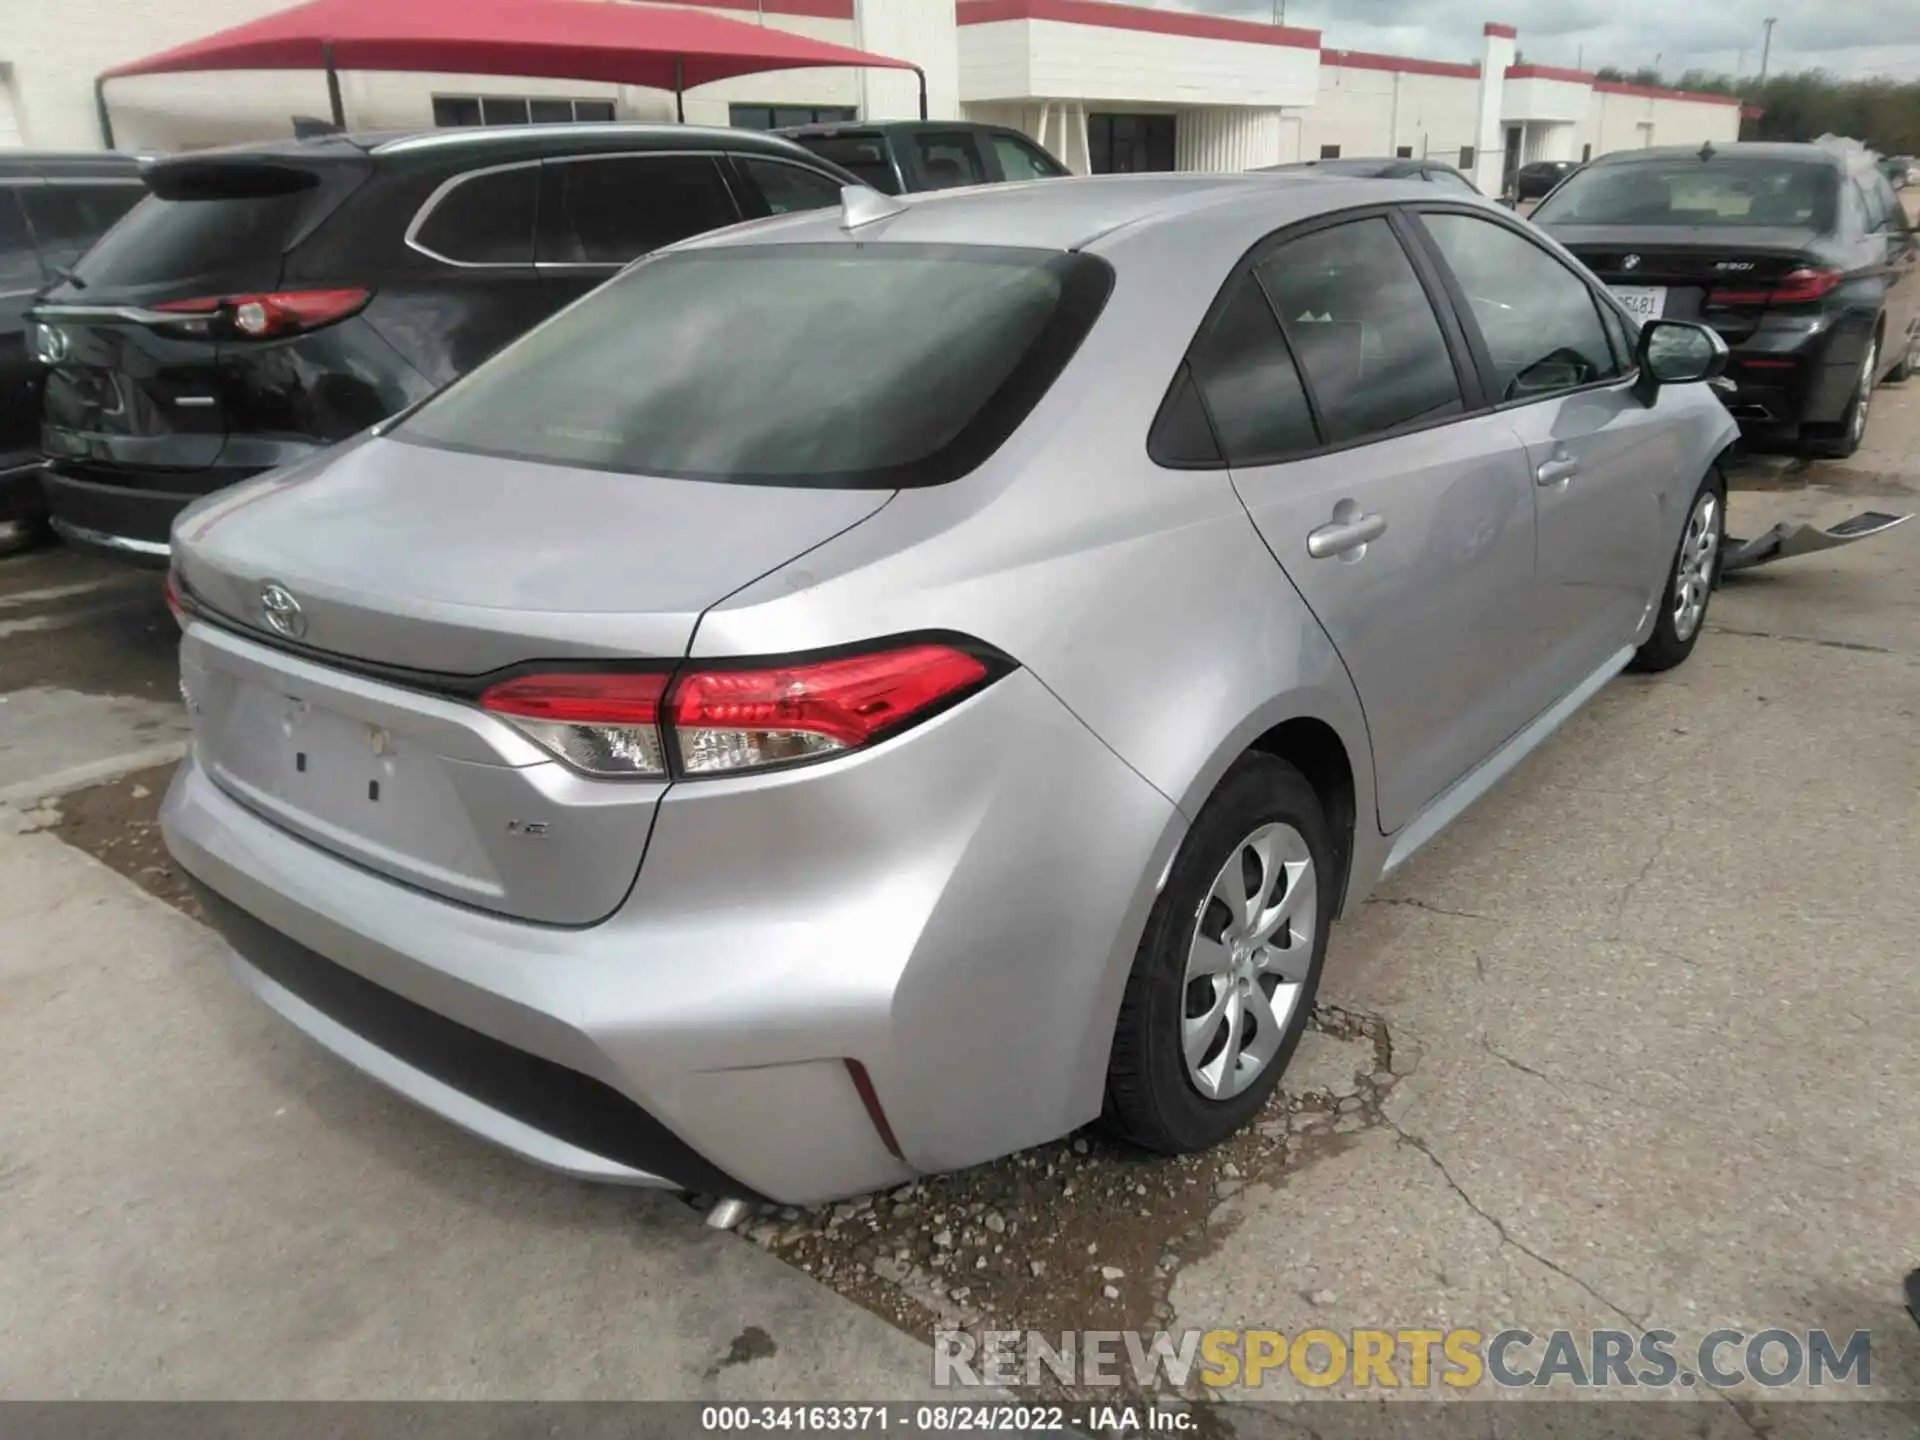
x=1852 y=37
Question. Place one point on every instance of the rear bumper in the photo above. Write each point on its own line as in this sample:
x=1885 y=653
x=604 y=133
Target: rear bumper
x=956 y=910
x=123 y=522
x=1787 y=378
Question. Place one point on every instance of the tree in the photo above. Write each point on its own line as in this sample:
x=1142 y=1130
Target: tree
x=1884 y=114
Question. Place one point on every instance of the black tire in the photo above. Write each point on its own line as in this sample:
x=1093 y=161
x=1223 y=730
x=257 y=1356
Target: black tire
x=1909 y=362
x=1841 y=439
x=1666 y=648
x=1150 y=1098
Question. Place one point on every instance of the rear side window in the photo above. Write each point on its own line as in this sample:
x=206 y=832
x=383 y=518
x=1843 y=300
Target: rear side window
x=486 y=218
x=950 y=158
x=1021 y=161
x=19 y=263
x=1362 y=329
x=871 y=366
x=787 y=188
x=1539 y=320
x=614 y=210
x=1247 y=378
x=865 y=156
x=67 y=218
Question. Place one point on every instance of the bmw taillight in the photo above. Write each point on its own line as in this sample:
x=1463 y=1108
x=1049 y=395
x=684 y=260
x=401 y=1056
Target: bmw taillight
x=723 y=721
x=267 y=315
x=1796 y=287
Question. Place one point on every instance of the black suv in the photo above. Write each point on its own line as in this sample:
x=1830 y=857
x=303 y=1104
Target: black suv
x=271 y=299
x=52 y=207
x=1386 y=167
x=1799 y=255
x=903 y=156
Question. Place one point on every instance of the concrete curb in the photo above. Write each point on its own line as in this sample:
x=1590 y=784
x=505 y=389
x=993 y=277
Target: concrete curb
x=94 y=772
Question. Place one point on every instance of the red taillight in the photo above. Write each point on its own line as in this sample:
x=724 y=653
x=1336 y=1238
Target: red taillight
x=1794 y=288
x=726 y=721
x=285 y=312
x=605 y=724
x=747 y=719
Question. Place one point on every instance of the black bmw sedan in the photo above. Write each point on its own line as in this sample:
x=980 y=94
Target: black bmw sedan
x=1799 y=255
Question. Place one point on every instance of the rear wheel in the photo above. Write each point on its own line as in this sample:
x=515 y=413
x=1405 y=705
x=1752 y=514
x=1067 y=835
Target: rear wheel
x=1839 y=441
x=1696 y=569
x=1227 y=970
x=1909 y=364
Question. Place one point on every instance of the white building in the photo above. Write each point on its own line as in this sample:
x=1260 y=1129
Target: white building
x=1105 y=86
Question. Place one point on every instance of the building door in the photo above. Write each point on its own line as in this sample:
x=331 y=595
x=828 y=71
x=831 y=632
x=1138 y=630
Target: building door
x=1515 y=133
x=1129 y=144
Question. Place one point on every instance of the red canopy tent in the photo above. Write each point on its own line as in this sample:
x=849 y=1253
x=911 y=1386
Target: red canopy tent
x=622 y=44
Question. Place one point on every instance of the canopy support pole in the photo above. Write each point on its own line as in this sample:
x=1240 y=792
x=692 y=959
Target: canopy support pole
x=923 y=90
x=679 y=88
x=333 y=87
x=100 y=108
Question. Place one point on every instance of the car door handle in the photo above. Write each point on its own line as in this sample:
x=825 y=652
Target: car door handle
x=1556 y=471
x=1343 y=536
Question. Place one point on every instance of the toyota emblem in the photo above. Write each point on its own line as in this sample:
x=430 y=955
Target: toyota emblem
x=1632 y=262
x=283 y=613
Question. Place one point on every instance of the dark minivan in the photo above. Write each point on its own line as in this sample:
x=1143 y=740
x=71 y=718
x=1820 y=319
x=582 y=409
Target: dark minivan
x=1799 y=255
x=52 y=208
x=904 y=156
x=268 y=300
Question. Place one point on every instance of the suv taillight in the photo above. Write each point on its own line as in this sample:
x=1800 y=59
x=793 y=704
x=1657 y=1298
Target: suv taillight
x=1796 y=287
x=725 y=721
x=265 y=316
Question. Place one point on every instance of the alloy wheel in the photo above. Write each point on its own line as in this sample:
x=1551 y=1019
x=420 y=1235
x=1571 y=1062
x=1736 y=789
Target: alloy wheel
x=1693 y=575
x=1248 y=960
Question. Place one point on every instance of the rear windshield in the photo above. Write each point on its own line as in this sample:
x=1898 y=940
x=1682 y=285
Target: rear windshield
x=1794 y=194
x=836 y=365
x=232 y=223
x=865 y=155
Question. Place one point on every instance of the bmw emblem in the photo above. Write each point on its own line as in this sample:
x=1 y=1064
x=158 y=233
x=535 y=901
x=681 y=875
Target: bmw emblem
x=283 y=613
x=1632 y=262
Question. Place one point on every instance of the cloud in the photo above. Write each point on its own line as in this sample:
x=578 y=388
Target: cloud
x=1860 y=37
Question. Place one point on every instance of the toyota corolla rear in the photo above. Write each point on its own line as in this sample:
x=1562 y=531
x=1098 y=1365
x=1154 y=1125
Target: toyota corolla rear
x=473 y=819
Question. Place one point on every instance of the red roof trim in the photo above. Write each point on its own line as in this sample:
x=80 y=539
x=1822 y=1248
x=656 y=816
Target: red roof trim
x=1654 y=92
x=809 y=9
x=1129 y=17
x=1549 y=72
x=1361 y=60
x=1505 y=32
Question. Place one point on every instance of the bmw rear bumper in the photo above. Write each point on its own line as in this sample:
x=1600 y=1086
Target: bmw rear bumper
x=955 y=910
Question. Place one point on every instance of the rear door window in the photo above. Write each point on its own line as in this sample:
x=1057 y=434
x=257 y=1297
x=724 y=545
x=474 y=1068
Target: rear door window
x=949 y=158
x=1020 y=160
x=787 y=188
x=866 y=156
x=825 y=365
x=1363 y=330
x=486 y=218
x=612 y=210
x=19 y=262
x=1247 y=378
x=68 y=216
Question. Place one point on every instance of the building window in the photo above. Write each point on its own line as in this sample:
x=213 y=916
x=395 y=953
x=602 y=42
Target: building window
x=779 y=117
x=1329 y=152
x=1586 y=153
x=516 y=110
x=1466 y=158
x=1405 y=152
x=1129 y=144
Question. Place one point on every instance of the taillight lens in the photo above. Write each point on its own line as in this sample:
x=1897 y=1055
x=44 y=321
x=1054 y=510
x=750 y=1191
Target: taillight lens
x=719 y=722
x=1794 y=288
x=171 y=589
x=605 y=724
x=283 y=312
x=749 y=719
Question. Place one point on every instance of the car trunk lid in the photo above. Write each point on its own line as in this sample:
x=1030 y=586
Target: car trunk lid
x=416 y=572
x=134 y=383
x=1716 y=274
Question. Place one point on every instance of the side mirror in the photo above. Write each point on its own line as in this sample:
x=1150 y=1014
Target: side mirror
x=1678 y=352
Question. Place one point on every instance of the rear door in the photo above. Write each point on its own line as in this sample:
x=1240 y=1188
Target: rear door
x=1344 y=404
x=945 y=159
x=1891 y=229
x=137 y=384
x=599 y=213
x=20 y=277
x=1604 y=465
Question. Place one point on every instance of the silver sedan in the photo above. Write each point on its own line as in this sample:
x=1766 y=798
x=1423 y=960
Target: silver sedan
x=869 y=691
